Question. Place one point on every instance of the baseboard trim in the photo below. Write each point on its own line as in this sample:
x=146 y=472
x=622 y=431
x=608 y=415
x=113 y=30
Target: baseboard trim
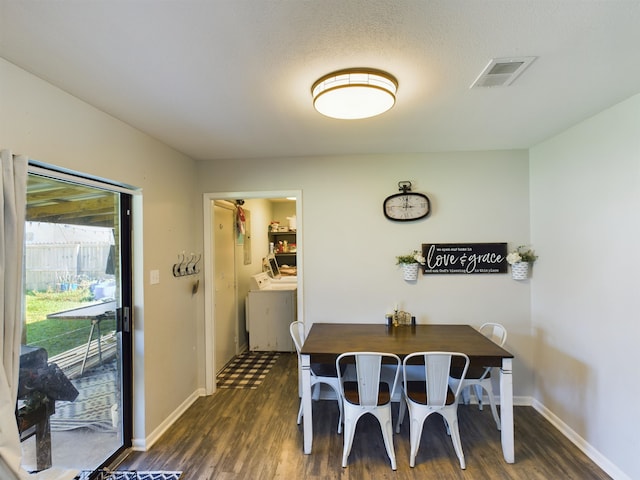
x=598 y=458
x=143 y=444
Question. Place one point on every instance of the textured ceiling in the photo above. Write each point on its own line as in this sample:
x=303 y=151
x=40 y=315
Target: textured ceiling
x=231 y=79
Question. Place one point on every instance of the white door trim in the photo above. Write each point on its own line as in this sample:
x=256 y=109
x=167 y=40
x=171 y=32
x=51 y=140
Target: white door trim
x=209 y=267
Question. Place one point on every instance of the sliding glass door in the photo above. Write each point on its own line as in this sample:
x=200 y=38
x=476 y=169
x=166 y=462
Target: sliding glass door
x=75 y=370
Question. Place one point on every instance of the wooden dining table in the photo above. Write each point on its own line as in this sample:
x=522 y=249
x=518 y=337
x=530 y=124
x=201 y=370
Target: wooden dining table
x=327 y=340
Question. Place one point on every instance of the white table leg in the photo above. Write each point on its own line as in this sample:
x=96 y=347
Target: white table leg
x=307 y=423
x=506 y=410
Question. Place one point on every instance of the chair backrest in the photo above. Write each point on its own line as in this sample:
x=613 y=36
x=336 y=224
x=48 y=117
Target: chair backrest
x=368 y=367
x=296 y=329
x=495 y=332
x=436 y=374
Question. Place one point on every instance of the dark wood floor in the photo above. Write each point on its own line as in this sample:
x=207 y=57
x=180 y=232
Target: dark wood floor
x=252 y=434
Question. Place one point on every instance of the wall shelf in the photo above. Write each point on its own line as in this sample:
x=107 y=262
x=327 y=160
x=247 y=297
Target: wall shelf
x=284 y=258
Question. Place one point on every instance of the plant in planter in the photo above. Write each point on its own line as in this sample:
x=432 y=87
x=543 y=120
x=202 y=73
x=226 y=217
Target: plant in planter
x=410 y=264
x=520 y=259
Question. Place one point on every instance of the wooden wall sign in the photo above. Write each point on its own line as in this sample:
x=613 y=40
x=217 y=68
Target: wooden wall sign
x=447 y=258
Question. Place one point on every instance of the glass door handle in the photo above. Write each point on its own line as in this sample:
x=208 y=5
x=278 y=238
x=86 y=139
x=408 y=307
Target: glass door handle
x=124 y=319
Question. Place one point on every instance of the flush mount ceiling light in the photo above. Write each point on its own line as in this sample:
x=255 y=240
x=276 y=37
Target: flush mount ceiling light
x=354 y=93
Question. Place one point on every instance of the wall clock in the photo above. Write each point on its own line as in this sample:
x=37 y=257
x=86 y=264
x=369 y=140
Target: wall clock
x=407 y=205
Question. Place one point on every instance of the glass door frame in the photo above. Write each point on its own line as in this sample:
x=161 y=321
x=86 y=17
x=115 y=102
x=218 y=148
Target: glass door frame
x=124 y=313
x=124 y=325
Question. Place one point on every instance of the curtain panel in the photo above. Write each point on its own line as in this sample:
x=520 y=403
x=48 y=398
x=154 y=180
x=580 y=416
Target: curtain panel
x=13 y=199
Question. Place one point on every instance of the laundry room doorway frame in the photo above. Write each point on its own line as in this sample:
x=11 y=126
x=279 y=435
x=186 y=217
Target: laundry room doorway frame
x=209 y=267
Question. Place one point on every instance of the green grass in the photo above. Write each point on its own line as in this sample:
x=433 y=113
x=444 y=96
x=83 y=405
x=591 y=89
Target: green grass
x=41 y=304
x=57 y=336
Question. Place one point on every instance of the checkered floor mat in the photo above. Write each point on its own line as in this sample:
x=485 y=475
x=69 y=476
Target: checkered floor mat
x=115 y=475
x=247 y=370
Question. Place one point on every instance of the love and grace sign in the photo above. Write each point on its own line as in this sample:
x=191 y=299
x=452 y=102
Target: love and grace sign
x=447 y=258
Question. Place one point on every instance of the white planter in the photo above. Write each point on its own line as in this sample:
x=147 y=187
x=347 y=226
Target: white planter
x=520 y=270
x=410 y=271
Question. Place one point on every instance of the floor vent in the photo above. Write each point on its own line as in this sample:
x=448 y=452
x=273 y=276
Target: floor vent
x=501 y=72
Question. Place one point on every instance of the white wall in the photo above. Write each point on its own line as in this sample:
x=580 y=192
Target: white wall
x=50 y=126
x=349 y=247
x=585 y=199
x=282 y=211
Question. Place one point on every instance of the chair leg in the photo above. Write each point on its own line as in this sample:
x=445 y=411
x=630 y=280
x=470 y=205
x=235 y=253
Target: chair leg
x=451 y=417
x=340 y=408
x=466 y=395
x=386 y=425
x=415 y=433
x=478 y=391
x=350 y=421
x=494 y=410
x=401 y=413
x=315 y=396
x=315 y=392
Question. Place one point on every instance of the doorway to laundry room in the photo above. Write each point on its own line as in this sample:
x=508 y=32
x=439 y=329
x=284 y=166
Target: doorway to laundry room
x=251 y=228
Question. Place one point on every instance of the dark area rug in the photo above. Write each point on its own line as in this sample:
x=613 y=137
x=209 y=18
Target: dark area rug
x=247 y=370
x=130 y=475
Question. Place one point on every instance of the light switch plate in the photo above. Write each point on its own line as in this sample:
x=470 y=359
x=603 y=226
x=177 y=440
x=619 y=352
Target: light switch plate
x=154 y=277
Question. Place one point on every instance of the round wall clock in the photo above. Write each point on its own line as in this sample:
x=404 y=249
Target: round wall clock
x=406 y=206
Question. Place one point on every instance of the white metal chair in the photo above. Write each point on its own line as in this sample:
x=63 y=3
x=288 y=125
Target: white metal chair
x=367 y=394
x=320 y=372
x=479 y=377
x=431 y=395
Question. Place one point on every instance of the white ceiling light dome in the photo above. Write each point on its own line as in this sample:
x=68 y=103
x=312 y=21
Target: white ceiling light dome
x=354 y=93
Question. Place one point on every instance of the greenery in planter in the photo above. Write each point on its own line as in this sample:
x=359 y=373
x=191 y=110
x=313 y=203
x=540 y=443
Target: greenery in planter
x=413 y=257
x=522 y=254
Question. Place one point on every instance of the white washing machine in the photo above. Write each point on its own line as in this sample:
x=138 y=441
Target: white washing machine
x=270 y=309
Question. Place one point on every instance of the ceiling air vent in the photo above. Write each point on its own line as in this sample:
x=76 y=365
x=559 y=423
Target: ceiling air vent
x=501 y=72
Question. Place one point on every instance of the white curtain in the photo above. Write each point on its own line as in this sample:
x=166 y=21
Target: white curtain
x=13 y=199
x=13 y=196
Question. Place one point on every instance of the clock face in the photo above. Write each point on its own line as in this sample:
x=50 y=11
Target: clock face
x=406 y=206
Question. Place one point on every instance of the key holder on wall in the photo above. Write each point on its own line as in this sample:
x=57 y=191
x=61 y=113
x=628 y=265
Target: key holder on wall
x=186 y=266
